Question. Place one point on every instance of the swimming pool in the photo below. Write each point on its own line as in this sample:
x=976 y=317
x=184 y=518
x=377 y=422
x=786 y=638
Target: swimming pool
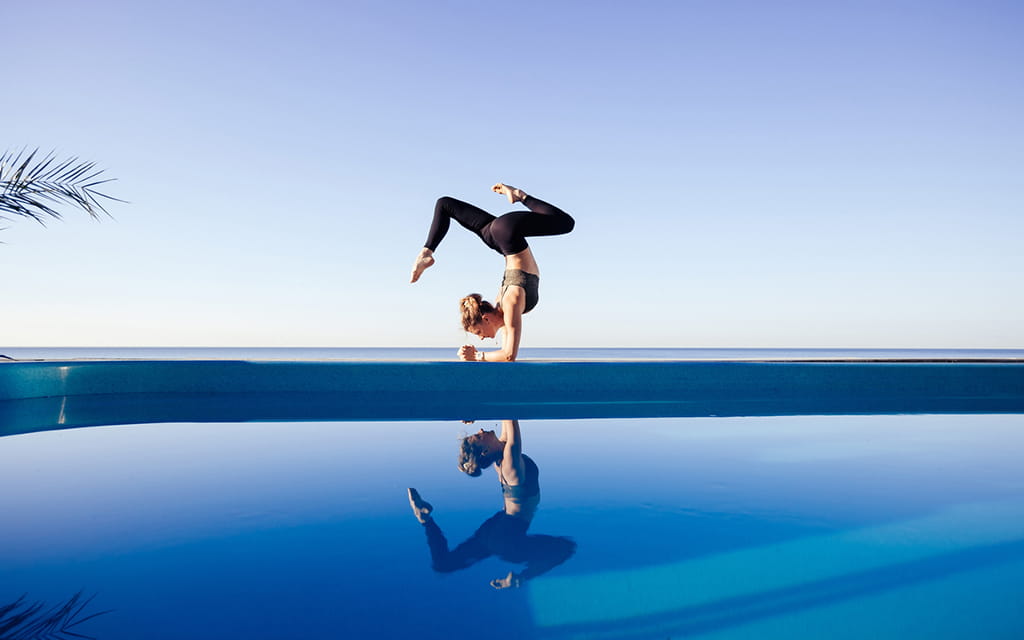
x=772 y=526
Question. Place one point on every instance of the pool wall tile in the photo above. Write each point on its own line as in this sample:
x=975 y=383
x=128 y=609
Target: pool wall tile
x=58 y=394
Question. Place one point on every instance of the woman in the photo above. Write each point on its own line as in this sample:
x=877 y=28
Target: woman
x=507 y=235
x=503 y=534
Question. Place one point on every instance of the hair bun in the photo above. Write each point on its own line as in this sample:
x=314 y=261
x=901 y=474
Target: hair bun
x=472 y=308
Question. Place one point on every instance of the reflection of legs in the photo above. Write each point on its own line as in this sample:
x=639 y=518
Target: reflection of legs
x=506 y=538
x=444 y=561
x=544 y=553
x=446 y=210
x=509 y=232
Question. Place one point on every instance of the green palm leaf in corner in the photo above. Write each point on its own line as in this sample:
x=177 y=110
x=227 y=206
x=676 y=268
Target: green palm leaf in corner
x=32 y=186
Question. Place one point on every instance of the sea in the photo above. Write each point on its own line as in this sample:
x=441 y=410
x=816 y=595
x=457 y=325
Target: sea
x=432 y=354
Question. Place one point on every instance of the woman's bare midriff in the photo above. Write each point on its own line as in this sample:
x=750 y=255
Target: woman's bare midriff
x=523 y=261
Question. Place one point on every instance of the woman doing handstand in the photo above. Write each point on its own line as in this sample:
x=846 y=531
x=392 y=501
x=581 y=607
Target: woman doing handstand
x=507 y=235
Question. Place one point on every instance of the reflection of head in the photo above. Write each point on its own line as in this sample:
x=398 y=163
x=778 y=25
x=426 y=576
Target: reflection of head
x=473 y=457
x=473 y=307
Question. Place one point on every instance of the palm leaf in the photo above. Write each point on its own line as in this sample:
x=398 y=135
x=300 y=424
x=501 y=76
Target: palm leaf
x=35 y=187
x=22 y=620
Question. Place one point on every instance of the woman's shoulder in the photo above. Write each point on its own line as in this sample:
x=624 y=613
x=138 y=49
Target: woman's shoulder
x=512 y=297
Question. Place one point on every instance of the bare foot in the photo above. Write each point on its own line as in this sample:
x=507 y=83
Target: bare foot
x=513 y=194
x=420 y=507
x=423 y=260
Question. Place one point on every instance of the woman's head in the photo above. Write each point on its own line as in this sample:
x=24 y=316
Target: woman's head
x=477 y=452
x=473 y=308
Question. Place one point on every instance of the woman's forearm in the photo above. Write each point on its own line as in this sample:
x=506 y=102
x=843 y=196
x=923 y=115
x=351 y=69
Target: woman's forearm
x=499 y=355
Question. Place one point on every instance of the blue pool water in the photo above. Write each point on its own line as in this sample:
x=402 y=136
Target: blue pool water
x=881 y=526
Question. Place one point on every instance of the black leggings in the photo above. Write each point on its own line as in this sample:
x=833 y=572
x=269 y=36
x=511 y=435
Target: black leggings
x=505 y=234
x=504 y=536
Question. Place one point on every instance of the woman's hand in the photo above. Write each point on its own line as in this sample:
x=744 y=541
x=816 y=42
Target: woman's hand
x=467 y=352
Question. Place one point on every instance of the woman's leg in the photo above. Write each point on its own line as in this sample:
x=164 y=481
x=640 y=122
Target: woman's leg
x=509 y=232
x=446 y=210
x=548 y=220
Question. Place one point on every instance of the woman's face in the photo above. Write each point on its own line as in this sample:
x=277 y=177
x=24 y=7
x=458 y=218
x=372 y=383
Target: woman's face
x=486 y=328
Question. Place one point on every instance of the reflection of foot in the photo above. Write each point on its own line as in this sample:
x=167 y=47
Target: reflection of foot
x=511 y=581
x=420 y=507
x=514 y=195
x=423 y=260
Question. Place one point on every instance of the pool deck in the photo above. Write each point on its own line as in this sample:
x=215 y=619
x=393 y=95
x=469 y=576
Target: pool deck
x=56 y=394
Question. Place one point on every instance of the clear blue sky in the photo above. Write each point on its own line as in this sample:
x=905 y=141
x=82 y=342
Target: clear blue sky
x=762 y=174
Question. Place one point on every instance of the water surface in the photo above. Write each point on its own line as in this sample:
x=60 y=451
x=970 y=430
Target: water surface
x=776 y=527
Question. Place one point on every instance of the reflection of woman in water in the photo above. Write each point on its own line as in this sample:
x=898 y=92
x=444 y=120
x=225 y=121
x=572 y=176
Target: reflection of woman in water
x=507 y=235
x=504 y=533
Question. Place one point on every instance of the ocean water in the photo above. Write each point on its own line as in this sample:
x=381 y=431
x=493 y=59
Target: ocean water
x=878 y=526
x=442 y=354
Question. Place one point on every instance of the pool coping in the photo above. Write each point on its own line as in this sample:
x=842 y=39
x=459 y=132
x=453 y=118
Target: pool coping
x=54 y=394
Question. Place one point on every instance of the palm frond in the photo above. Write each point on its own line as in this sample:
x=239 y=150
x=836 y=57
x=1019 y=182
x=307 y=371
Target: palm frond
x=22 y=620
x=34 y=186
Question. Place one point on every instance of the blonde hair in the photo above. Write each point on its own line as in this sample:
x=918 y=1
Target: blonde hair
x=473 y=307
